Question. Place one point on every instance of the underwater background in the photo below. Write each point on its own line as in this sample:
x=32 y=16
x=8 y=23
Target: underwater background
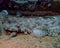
x=29 y=24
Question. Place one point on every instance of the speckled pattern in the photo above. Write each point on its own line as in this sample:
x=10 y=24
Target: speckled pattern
x=49 y=25
x=27 y=41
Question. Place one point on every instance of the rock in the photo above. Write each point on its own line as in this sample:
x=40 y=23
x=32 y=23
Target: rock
x=3 y=15
x=25 y=33
x=4 y=12
x=39 y=33
x=49 y=5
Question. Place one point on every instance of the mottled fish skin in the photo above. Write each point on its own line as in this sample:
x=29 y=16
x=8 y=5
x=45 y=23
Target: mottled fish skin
x=40 y=26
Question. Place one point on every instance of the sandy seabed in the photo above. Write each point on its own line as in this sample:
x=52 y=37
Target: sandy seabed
x=27 y=41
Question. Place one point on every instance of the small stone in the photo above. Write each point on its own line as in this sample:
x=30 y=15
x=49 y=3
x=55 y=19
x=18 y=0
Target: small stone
x=25 y=33
x=38 y=33
x=4 y=12
x=49 y=5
